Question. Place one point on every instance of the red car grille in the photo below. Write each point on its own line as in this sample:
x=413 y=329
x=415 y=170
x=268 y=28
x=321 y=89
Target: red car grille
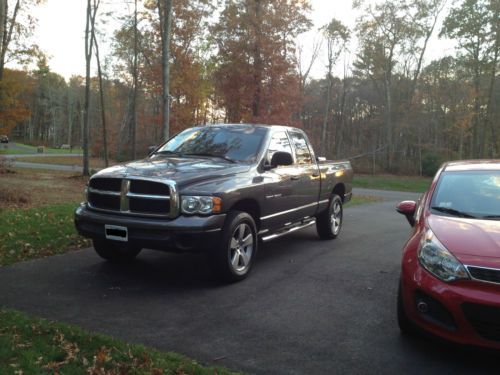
x=484 y=274
x=484 y=319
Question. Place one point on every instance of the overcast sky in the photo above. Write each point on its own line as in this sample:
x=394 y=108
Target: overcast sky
x=61 y=25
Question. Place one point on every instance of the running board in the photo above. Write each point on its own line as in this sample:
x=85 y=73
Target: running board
x=288 y=231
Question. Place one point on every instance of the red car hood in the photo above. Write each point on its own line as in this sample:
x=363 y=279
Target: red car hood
x=471 y=241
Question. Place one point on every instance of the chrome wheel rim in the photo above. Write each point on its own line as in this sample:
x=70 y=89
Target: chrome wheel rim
x=241 y=248
x=336 y=217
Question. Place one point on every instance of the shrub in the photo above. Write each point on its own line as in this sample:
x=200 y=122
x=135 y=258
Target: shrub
x=430 y=163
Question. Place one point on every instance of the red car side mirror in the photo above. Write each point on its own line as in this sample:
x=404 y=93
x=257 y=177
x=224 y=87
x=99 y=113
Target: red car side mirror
x=407 y=208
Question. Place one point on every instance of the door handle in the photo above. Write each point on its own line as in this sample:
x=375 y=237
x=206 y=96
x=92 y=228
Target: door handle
x=315 y=174
x=294 y=178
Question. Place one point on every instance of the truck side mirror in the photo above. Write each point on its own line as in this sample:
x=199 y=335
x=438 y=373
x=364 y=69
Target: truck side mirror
x=151 y=149
x=281 y=158
x=407 y=208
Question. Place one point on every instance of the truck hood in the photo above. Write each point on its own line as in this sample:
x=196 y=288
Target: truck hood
x=468 y=238
x=183 y=170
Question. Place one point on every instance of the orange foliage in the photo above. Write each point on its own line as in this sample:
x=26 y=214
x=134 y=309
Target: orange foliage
x=257 y=76
x=16 y=90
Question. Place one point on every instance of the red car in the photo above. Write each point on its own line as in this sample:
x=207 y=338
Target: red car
x=450 y=276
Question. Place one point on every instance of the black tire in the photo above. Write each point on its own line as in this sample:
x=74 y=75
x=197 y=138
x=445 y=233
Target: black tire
x=405 y=324
x=329 y=222
x=233 y=258
x=114 y=251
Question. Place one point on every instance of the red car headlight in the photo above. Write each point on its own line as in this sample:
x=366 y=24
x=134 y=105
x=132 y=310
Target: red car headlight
x=436 y=259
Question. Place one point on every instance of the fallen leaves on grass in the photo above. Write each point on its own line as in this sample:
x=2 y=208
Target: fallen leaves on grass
x=35 y=233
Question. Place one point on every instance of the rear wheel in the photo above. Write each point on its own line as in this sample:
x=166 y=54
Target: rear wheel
x=114 y=251
x=329 y=222
x=233 y=258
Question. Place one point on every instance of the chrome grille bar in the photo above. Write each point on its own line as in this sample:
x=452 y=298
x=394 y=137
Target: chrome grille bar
x=104 y=192
x=147 y=196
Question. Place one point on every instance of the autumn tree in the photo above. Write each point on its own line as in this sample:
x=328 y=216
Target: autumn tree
x=17 y=25
x=256 y=75
x=394 y=37
x=336 y=35
x=475 y=24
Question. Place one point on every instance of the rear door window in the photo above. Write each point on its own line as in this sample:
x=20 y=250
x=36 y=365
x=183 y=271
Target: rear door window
x=301 y=148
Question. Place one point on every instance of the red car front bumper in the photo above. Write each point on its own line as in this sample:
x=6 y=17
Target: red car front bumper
x=465 y=312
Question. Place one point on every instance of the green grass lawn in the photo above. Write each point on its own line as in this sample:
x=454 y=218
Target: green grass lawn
x=37 y=232
x=362 y=199
x=33 y=150
x=36 y=346
x=391 y=182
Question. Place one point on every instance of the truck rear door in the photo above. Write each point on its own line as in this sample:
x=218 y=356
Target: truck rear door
x=307 y=176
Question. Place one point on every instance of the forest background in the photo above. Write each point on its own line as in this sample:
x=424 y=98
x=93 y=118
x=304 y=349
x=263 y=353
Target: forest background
x=380 y=101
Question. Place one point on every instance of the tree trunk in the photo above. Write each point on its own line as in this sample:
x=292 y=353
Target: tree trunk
x=103 y=107
x=133 y=127
x=327 y=112
x=5 y=37
x=165 y=13
x=89 y=37
x=3 y=17
x=257 y=58
x=489 y=123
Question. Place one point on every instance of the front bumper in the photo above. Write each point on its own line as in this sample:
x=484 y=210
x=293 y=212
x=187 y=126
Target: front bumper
x=184 y=233
x=466 y=312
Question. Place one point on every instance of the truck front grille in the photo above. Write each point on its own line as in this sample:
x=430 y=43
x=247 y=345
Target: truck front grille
x=106 y=202
x=133 y=196
x=106 y=184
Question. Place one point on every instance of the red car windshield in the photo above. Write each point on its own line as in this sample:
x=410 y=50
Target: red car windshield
x=472 y=194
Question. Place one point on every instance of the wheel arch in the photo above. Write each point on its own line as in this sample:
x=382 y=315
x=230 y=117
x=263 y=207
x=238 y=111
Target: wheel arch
x=251 y=207
x=339 y=190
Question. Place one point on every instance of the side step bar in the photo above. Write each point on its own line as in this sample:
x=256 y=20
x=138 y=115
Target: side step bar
x=289 y=230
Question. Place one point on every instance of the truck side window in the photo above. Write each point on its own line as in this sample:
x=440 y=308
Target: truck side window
x=301 y=148
x=279 y=142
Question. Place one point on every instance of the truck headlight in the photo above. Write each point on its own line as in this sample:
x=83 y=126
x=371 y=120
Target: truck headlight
x=436 y=259
x=204 y=205
x=86 y=194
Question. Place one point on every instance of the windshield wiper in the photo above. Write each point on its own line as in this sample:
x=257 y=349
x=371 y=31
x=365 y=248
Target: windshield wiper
x=168 y=152
x=491 y=217
x=211 y=155
x=453 y=212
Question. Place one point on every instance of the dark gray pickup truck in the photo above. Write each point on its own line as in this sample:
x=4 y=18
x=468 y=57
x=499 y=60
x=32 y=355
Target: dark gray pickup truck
x=221 y=189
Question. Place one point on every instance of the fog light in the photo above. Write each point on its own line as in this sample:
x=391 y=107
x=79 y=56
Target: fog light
x=422 y=307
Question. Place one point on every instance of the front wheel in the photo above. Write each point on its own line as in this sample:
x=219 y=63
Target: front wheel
x=233 y=258
x=329 y=222
x=405 y=325
x=114 y=251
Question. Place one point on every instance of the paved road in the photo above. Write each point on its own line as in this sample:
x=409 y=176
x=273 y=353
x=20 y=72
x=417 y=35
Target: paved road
x=52 y=167
x=17 y=163
x=309 y=307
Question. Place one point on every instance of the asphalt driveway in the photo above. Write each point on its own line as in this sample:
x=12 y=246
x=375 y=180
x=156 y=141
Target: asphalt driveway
x=309 y=307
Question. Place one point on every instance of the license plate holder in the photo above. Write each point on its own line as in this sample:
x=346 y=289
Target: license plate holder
x=116 y=233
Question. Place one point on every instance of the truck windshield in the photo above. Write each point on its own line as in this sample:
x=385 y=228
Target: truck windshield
x=238 y=143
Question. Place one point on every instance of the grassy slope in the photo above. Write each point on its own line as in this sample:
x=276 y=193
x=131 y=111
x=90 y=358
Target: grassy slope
x=37 y=232
x=390 y=182
x=36 y=346
x=28 y=149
